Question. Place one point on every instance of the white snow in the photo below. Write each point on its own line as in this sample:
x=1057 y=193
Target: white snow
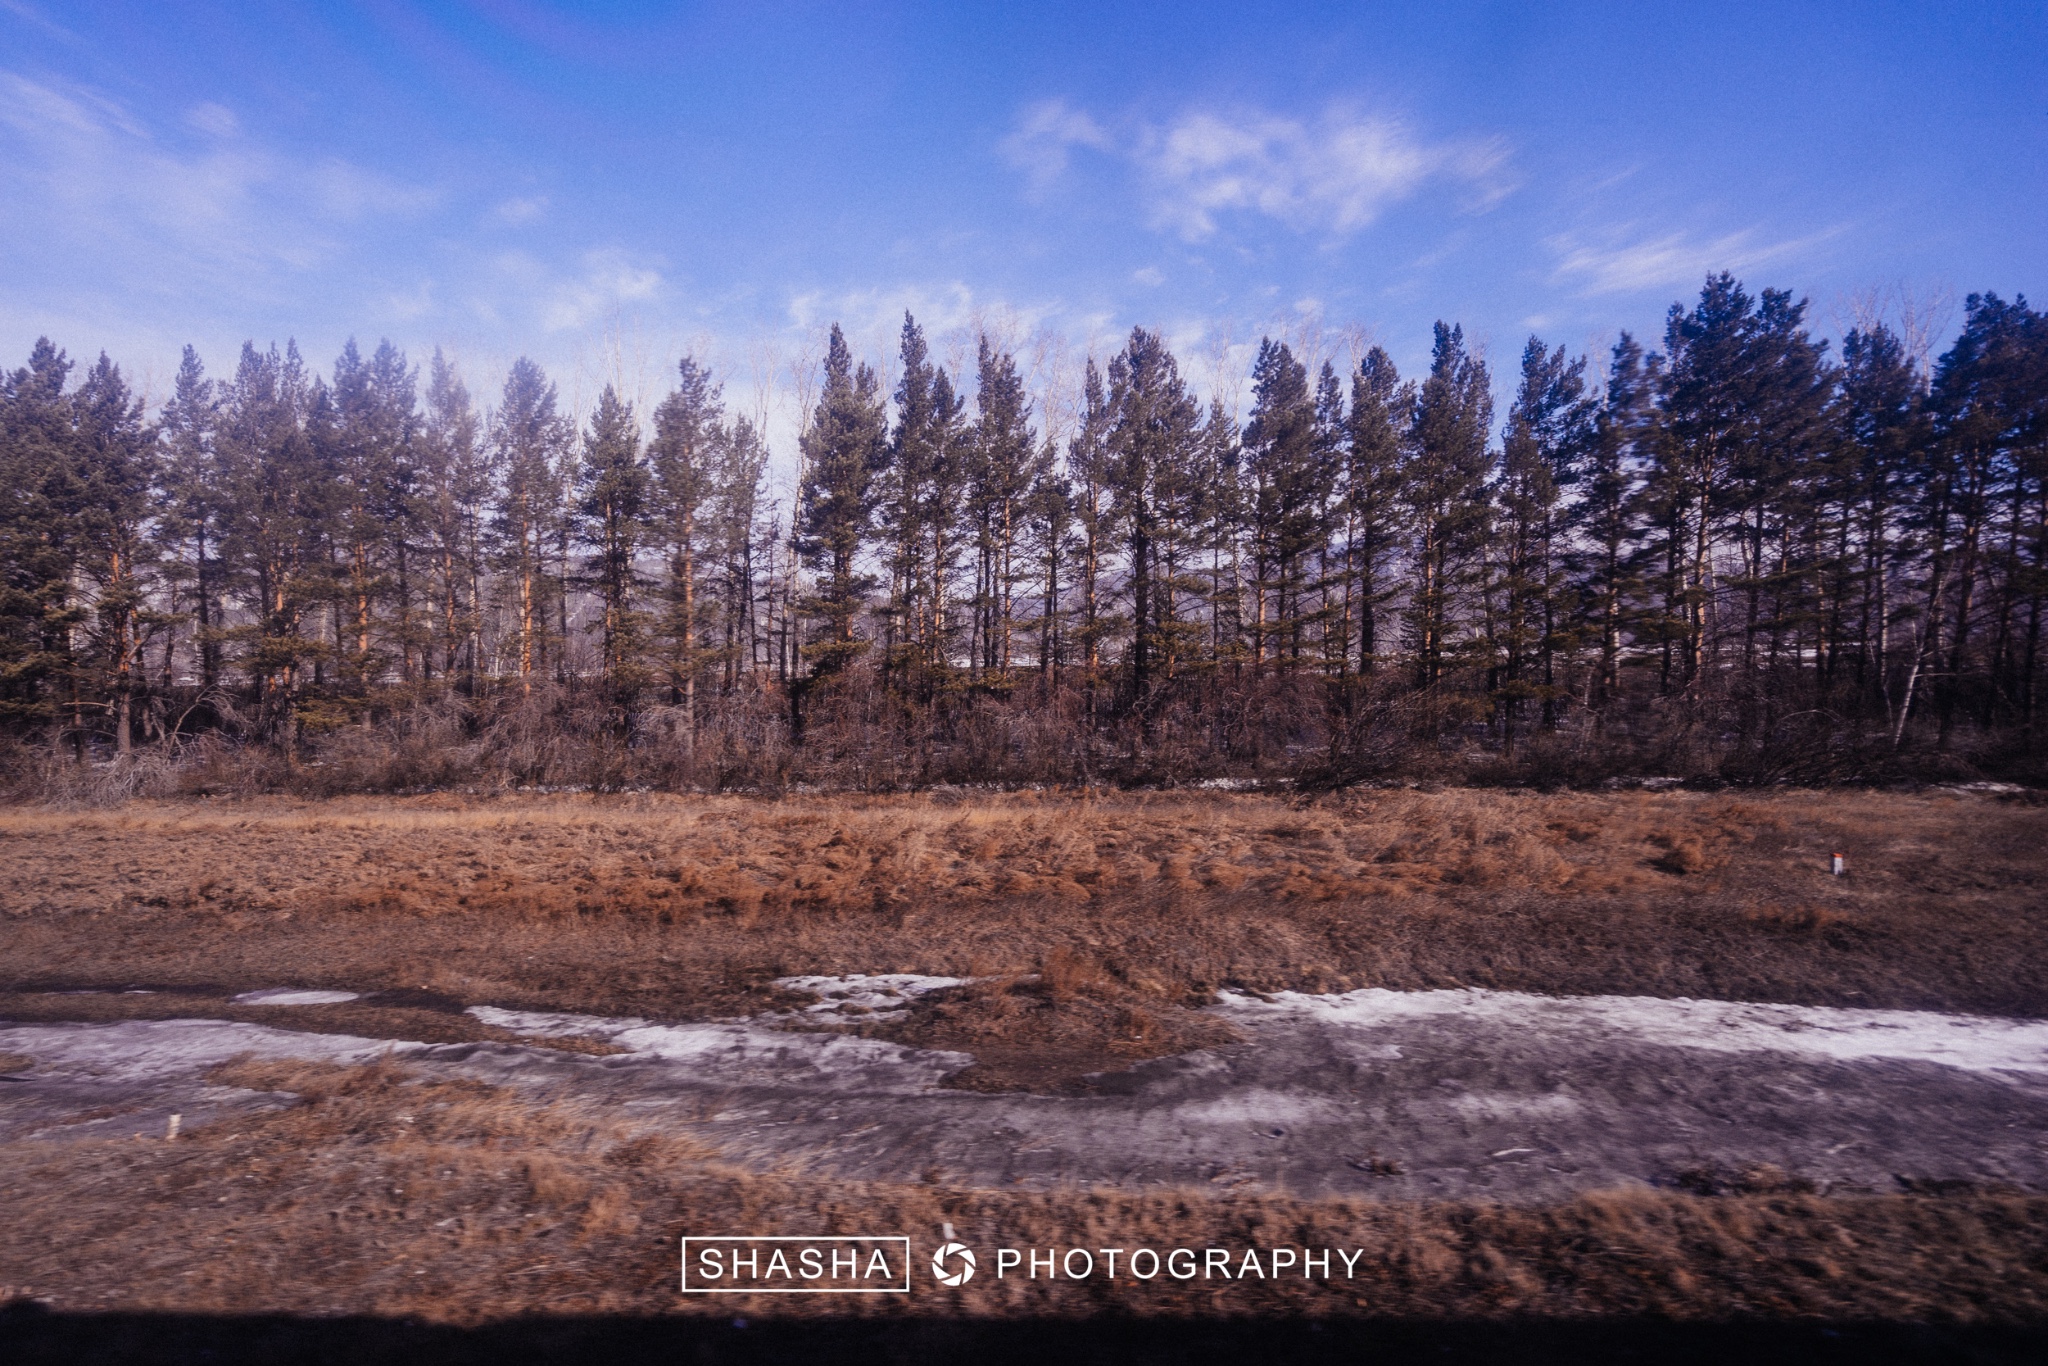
x=886 y=994
x=1974 y=1043
x=294 y=996
x=740 y=1044
x=544 y=1023
x=881 y=995
x=148 y=1050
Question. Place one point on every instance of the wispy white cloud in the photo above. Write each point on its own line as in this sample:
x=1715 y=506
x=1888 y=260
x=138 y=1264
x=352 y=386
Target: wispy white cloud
x=609 y=278
x=347 y=191
x=407 y=305
x=36 y=19
x=216 y=119
x=1042 y=144
x=1336 y=175
x=1621 y=264
x=871 y=318
x=72 y=156
x=520 y=209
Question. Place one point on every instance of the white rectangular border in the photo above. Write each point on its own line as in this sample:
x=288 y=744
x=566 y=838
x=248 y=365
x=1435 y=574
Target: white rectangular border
x=903 y=1289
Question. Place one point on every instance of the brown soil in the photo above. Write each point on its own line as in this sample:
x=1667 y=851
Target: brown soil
x=1053 y=1031
x=454 y=1201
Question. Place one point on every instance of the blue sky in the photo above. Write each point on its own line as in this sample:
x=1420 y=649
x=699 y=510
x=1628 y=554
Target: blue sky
x=603 y=186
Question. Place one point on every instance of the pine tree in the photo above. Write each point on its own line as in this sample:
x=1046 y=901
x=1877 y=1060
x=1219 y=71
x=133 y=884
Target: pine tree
x=844 y=449
x=1373 y=485
x=1289 y=471
x=1049 y=523
x=115 y=469
x=284 y=501
x=1883 y=429
x=736 y=505
x=529 y=444
x=613 y=490
x=369 y=445
x=685 y=457
x=1707 y=427
x=1778 y=485
x=454 y=491
x=1604 y=517
x=1154 y=427
x=38 y=542
x=1546 y=431
x=1988 y=408
x=1216 y=512
x=999 y=473
x=920 y=506
x=1446 y=506
x=193 y=511
x=1088 y=463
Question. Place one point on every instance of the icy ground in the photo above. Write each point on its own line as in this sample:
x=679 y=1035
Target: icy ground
x=1375 y=1093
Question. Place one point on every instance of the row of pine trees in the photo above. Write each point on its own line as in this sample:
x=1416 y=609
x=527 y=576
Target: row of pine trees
x=1742 y=535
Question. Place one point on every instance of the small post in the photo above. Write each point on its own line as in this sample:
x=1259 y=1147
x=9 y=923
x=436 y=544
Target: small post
x=1839 y=867
x=171 y=1129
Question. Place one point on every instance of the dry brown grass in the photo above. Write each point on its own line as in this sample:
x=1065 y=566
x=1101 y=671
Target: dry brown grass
x=685 y=907
x=454 y=1201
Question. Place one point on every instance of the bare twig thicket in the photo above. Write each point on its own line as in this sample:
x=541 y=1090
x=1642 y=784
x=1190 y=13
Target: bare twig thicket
x=1739 y=558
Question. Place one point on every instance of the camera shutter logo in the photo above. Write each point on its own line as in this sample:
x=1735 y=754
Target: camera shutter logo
x=953 y=1264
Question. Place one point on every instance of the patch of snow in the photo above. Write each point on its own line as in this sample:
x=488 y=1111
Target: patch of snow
x=550 y=1023
x=747 y=1045
x=884 y=994
x=1973 y=1043
x=147 y=1050
x=1260 y=1106
x=293 y=996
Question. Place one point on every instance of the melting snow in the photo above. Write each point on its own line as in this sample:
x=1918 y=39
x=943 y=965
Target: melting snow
x=293 y=996
x=145 y=1050
x=886 y=994
x=741 y=1044
x=1972 y=1043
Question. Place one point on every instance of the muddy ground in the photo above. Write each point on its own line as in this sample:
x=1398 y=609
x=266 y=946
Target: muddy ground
x=1373 y=1095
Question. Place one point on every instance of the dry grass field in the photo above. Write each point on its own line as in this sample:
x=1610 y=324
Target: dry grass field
x=1096 y=923
x=386 y=1195
x=1098 y=919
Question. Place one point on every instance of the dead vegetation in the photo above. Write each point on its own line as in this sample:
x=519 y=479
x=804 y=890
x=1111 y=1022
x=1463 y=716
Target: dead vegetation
x=455 y=1201
x=1054 y=1030
x=1141 y=904
x=1096 y=925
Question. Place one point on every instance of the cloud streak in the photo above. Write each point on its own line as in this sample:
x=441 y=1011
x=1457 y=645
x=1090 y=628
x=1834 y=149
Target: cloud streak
x=609 y=279
x=1337 y=175
x=1676 y=259
x=1334 y=175
x=1044 y=140
x=97 y=173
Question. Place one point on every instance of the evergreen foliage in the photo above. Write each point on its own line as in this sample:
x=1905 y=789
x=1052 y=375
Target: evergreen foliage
x=1739 y=555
